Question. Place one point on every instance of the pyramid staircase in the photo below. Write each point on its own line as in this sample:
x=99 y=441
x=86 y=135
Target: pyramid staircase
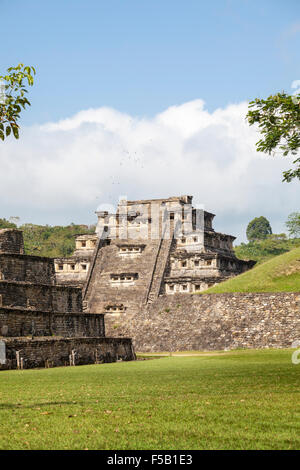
x=160 y=266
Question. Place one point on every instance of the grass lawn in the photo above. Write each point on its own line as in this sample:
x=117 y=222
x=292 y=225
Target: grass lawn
x=279 y=274
x=242 y=399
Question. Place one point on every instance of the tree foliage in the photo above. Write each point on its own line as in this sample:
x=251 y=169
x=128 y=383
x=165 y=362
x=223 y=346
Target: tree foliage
x=44 y=240
x=4 y=223
x=13 y=99
x=258 y=229
x=54 y=242
x=278 y=119
x=263 y=250
x=293 y=224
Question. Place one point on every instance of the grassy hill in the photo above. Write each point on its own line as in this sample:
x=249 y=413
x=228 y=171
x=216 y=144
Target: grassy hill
x=279 y=274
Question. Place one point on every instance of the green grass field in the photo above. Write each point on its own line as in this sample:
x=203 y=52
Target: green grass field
x=238 y=400
x=279 y=274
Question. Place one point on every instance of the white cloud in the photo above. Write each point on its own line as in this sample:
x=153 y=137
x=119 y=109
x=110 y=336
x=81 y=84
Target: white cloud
x=60 y=172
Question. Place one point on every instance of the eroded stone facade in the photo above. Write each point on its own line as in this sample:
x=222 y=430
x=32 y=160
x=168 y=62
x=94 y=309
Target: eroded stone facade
x=41 y=323
x=73 y=270
x=149 y=248
x=184 y=322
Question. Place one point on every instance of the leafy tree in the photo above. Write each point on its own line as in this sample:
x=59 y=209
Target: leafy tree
x=13 y=99
x=293 y=224
x=258 y=229
x=278 y=119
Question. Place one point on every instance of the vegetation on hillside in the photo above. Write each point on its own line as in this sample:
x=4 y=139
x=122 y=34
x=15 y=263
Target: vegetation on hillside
x=263 y=250
x=4 y=223
x=279 y=274
x=44 y=240
x=264 y=245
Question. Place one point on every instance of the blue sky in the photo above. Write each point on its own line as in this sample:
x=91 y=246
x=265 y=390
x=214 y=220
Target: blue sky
x=142 y=56
x=128 y=77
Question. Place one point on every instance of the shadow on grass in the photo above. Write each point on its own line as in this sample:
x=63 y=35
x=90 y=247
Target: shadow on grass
x=4 y=406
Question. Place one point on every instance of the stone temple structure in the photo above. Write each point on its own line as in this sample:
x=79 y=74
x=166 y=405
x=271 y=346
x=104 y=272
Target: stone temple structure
x=42 y=324
x=147 y=249
x=73 y=271
x=142 y=271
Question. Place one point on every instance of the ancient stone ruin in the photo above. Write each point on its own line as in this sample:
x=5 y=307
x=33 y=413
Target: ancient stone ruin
x=143 y=269
x=41 y=323
x=148 y=249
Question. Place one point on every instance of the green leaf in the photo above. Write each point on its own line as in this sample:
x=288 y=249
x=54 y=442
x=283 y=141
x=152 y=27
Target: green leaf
x=15 y=131
x=10 y=112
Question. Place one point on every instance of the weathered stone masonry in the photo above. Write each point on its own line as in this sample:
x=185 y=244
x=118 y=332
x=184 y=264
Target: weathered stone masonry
x=40 y=296
x=213 y=322
x=17 y=323
x=148 y=248
x=145 y=285
x=49 y=352
x=42 y=324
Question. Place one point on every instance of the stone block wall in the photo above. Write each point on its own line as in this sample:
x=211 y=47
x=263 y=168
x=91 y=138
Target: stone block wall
x=18 y=322
x=27 y=268
x=51 y=352
x=40 y=297
x=102 y=291
x=41 y=323
x=11 y=241
x=66 y=299
x=212 y=322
